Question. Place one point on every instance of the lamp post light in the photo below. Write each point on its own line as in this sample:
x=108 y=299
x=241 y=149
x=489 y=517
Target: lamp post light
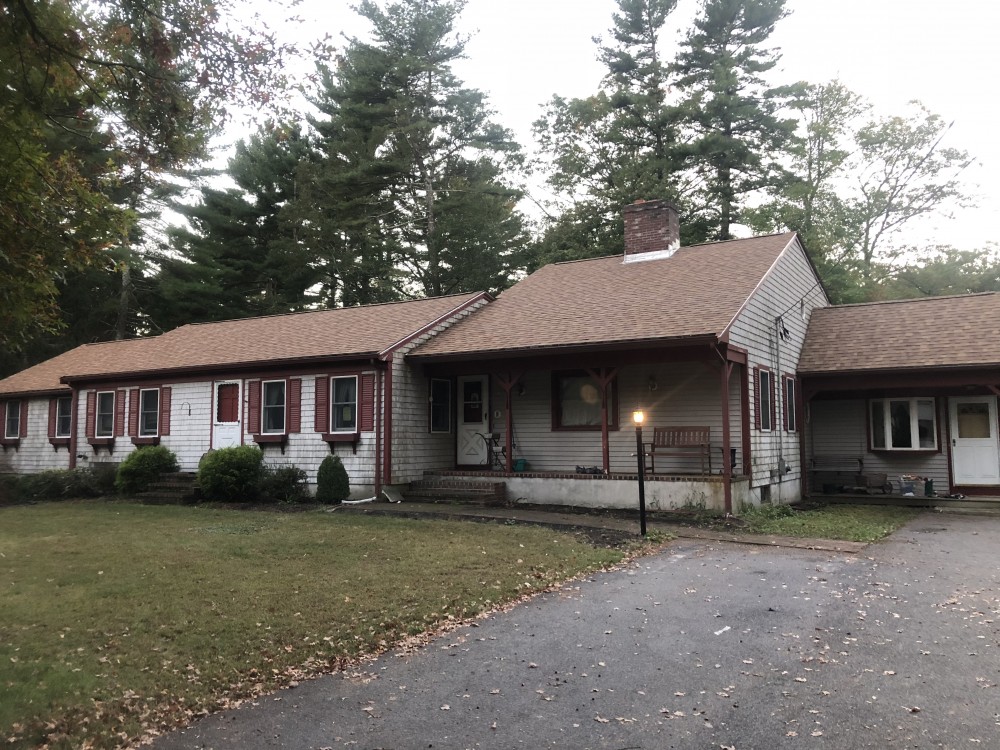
x=638 y=417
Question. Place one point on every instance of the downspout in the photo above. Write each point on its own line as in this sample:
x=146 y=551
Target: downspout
x=387 y=470
x=74 y=424
x=379 y=408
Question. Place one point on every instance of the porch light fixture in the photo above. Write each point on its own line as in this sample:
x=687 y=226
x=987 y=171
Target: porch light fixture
x=638 y=417
x=652 y=383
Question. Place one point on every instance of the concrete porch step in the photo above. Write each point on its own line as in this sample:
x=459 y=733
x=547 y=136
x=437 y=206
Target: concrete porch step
x=172 y=489
x=451 y=489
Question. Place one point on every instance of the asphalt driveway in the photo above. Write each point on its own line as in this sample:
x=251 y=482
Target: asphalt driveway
x=706 y=645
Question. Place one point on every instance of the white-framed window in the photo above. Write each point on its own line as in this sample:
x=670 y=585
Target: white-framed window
x=64 y=416
x=903 y=424
x=12 y=420
x=440 y=405
x=273 y=407
x=344 y=403
x=765 y=395
x=104 y=419
x=149 y=412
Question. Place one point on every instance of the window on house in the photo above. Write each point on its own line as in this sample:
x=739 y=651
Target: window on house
x=12 y=420
x=765 y=389
x=791 y=425
x=64 y=416
x=104 y=424
x=344 y=403
x=273 y=420
x=577 y=402
x=149 y=412
x=903 y=424
x=440 y=405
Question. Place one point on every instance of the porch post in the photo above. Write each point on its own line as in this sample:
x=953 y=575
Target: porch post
x=727 y=466
x=604 y=376
x=507 y=382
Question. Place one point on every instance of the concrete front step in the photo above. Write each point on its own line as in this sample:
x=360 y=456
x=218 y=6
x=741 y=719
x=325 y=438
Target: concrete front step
x=175 y=488
x=449 y=489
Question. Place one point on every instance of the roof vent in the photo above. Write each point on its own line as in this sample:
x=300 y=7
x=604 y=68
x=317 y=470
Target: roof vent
x=652 y=230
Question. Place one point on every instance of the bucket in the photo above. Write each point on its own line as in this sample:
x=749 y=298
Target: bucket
x=520 y=464
x=928 y=488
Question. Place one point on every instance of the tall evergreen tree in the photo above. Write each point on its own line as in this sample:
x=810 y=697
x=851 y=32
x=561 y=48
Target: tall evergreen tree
x=239 y=257
x=412 y=175
x=737 y=135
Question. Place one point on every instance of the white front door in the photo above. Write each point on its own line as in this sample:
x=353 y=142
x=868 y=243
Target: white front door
x=473 y=419
x=227 y=425
x=975 y=455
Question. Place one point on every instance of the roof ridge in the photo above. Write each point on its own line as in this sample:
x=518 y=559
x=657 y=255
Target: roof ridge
x=712 y=243
x=322 y=310
x=910 y=300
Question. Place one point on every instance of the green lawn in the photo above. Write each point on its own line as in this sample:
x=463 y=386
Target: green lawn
x=115 y=617
x=854 y=523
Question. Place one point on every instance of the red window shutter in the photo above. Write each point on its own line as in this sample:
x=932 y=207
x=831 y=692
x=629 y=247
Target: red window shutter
x=253 y=407
x=119 y=413
x=756 y=398
x=321 y=420
x=22 y=427
x=53 y=402
x=784 y=403
x=774 y=406
x=294 y=405
x=91 y=413
x=367 y=406
x=165 y=410
x=133 y=411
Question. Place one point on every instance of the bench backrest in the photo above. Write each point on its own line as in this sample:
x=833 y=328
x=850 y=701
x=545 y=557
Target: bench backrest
x=680 y=437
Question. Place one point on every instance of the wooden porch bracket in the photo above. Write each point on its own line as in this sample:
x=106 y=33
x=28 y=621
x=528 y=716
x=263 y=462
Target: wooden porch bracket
x=604 y=376
x=995 y=389
x=507 y=381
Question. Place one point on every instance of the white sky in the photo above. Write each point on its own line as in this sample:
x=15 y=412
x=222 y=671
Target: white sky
x=944 y=54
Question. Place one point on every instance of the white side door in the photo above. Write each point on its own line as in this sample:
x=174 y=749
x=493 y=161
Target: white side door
x=227 y=414
x=975 y=452
x=473 y=419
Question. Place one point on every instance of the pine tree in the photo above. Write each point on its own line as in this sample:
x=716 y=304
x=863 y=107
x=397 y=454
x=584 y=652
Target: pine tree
x=737 y=135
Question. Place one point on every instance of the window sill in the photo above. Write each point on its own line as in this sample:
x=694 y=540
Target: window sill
x=905 y=451
x=263 y=439
x=59 y=442
x=332 y=438
x=102 y=442
x=6 y=443
x=147 y=440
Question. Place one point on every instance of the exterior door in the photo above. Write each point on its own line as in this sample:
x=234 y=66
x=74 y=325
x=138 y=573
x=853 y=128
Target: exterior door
x=227 y=425
x=473 y=419
x=975 y=456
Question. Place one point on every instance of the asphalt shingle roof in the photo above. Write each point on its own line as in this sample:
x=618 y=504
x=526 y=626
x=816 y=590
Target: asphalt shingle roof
x=936 y=332
x=351 y=332
x=695 y=292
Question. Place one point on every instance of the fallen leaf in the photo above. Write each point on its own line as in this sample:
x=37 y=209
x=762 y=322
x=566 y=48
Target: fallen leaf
x=601 y=720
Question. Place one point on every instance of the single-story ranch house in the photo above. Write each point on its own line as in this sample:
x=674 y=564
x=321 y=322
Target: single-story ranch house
x=754 y=389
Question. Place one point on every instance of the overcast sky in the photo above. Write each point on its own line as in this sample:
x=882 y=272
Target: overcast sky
x=891 y=51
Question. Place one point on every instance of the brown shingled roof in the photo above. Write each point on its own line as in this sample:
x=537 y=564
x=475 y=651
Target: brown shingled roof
x=695 y=292
x=935 y=332
x=351 y=332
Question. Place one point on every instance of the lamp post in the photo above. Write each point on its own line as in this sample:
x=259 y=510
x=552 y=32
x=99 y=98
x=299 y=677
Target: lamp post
x=638 y=417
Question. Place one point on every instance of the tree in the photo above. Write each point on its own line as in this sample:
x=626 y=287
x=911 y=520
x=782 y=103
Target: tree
x=607 y=150
x=737 y=136
x=410 y=172
x=945 y=270
x=240 y=257
x=100 y=98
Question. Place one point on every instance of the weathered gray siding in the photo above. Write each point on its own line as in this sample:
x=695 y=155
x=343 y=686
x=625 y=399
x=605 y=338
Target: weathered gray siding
x=838 y=428
x=790 y=291
x=34 y=453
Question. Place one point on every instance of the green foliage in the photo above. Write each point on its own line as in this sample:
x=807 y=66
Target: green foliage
x=144 y=465
x=231 y=475
x=57 y=484
x=945 y=270
x=332 y=484
x=283 y=484
x=857 y=523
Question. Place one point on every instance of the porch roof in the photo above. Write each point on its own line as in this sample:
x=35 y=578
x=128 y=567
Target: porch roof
x=344 y=333
x=931 y=333
x=695 y=293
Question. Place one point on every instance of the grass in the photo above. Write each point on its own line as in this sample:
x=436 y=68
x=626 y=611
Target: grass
x=854 y=523
x=115 y=617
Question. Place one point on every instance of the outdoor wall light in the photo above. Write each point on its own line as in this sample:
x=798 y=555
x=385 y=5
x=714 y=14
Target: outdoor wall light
x=652 y=383
x=638 y=417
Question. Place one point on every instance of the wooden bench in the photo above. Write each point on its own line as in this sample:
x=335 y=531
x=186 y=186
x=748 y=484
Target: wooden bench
x=680 y=441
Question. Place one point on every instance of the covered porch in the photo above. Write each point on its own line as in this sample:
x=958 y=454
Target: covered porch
x=558 y=429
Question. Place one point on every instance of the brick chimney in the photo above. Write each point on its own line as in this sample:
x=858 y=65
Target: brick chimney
x=652 y=230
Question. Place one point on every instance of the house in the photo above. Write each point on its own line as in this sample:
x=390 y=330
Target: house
x=705 y=336
x=905 y=388
x=300 y=386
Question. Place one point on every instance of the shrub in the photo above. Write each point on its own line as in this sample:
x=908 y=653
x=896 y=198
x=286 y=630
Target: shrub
x=231 y=475
x=332 y=485
x=59 y=484
x=144 y=466
x=283 y=484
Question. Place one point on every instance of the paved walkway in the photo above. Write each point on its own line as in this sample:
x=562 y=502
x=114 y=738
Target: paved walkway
x=522 y=514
